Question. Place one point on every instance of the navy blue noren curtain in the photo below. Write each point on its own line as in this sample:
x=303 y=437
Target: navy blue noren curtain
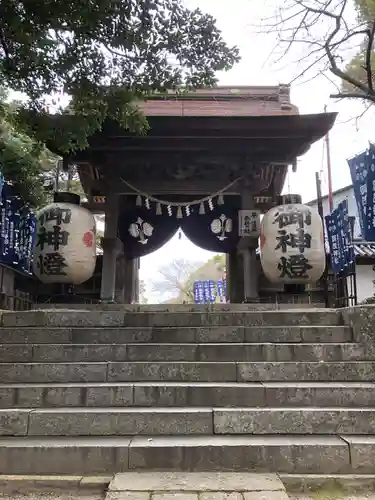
x=216 y=230
x=142 y=231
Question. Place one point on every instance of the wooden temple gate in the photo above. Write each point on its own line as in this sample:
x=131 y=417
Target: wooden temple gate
x=230 y=146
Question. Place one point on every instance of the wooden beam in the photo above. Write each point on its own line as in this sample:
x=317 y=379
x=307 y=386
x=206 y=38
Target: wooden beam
x=235 y=126
x=163 y=188
x=94 y=208
x=226 y=145
x=116 y=157
x=309 y=127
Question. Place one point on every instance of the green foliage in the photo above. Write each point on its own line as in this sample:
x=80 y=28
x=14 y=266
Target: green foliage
x=357 y=67
x=365 y=10
x=333 y=491
x=104 y=55
x=88 y=61
x=23 y=161
x=26 y=164
x=213 y=269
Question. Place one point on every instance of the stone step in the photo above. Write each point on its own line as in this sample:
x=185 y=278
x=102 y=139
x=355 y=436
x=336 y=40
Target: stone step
x=187 y=334
x=350 y=394
x=286 y=420
x=16 y=353
x=324 y=317
x=258 y=318
x=350 y=371
x=195 y=486
x=102 y=455
x=106 y=421
x=178 y=308
x=220 y=394
x=185 y=421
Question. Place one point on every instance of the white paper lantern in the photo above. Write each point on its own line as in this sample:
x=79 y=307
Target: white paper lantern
x=292 y=244
x=65 y=246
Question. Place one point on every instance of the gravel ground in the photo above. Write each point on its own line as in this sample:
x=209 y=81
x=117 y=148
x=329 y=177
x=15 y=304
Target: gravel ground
x=73 y=496
x=45 y=496
x=327 y=496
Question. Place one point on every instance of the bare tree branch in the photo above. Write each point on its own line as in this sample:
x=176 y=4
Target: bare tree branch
x=332 y=60
x=369 y=50
x=178 y=277
x=357 y=118
x=174 y=279
x=329 y=32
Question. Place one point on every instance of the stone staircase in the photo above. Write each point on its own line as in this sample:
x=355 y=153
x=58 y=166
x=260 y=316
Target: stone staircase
x=88 y=392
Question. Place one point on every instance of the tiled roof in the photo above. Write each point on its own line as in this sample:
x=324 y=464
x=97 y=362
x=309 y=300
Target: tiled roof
x=364 y=249
x=223 y=101
x=246 y=107
x=361 y=249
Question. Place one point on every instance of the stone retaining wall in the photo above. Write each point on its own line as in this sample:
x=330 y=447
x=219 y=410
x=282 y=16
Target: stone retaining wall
x=361 y=319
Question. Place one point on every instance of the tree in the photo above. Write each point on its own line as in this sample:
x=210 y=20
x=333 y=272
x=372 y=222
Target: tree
x=23 y=162
x=331 y=34
x=102 y=57
x=65 y=180
x=178 y=277
x=30 y=167
x=174 y=279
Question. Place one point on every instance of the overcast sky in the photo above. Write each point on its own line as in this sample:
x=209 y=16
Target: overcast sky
x=236 y=20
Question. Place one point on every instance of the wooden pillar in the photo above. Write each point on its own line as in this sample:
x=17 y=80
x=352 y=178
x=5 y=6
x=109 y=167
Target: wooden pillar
x=130 y=281
x=235 y=293
x=110 y=249
x=250 y=273
x=137 y=265
x=247 y=247
x=120 y=279
x=228 y=277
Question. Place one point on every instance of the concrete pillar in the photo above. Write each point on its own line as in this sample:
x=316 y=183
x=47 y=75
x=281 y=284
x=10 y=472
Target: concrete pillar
x=110 y=249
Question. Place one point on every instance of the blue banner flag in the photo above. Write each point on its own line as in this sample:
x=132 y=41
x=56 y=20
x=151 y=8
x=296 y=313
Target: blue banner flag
x=333 y=242
x=198 y=292
x=17 y=230
x=340 y=238
x=358 y=171
x=348 y=234
x=207 y=291
x=222 y=289
x=362 y=172
x=370 y=201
